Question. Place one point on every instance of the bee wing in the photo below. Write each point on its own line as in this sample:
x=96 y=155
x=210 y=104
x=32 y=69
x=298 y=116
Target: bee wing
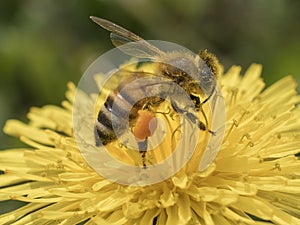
x=218 y=126
x=140 y=74
x=147 y=84
x=119 y=36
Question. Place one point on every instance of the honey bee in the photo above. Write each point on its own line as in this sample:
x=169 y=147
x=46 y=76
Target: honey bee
x=188 y=71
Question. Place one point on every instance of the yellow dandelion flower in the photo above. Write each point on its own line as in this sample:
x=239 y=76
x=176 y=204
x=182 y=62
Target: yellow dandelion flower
x=254 y=179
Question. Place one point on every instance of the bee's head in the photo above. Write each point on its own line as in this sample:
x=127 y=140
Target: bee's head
x=210 y=60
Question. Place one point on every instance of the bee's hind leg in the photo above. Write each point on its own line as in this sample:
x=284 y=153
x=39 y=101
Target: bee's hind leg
x=143 y=145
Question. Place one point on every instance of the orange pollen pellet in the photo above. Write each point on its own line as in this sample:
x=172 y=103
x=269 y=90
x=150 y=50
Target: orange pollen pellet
x=145 y=125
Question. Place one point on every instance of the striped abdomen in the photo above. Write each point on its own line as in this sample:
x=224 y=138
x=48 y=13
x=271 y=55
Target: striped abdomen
x=121 y=107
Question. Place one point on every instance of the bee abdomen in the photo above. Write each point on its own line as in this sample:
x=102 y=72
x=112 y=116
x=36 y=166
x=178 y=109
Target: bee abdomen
x=113 y=117
x=117 y=105
x=103 y=135
x=106 y=125
x=104 y=117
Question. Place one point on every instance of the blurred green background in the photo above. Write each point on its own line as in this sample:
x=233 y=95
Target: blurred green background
x=45 y=44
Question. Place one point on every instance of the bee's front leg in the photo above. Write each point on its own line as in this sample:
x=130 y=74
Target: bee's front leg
x=192 y=117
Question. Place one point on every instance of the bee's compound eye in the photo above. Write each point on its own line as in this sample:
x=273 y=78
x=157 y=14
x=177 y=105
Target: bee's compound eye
x=145 y=125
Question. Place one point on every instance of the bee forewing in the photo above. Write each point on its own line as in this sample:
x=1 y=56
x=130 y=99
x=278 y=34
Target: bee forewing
x=135 y=49
x=120 y=36
x=114 y=28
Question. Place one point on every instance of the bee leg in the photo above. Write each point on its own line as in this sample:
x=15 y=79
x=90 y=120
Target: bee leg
x=206 y=121
x=199 y=123
x=193 y=118
x=202 y=126
x=143 y=149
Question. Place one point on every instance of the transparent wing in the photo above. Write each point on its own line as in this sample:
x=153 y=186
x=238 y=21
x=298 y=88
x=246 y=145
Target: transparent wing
x=217 y=125
x=140 y=74
x=119 y=36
